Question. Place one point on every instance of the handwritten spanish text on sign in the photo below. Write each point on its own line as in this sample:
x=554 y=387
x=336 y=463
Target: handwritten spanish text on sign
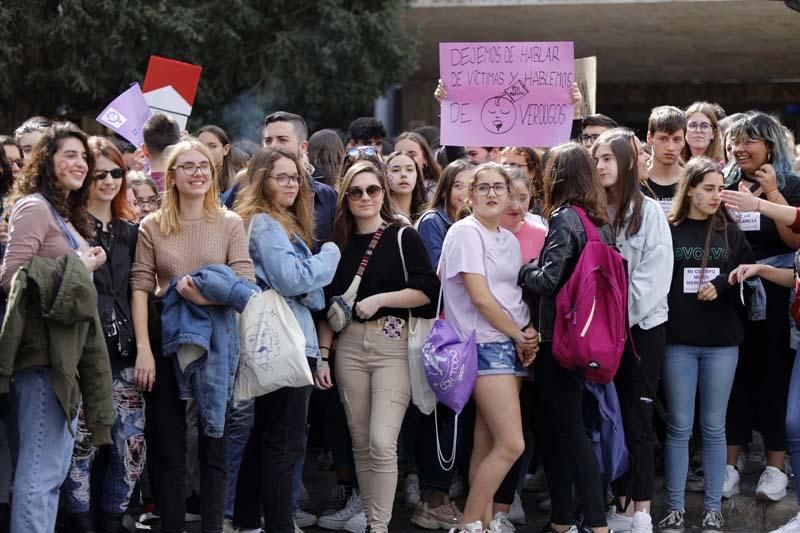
x=506 y=94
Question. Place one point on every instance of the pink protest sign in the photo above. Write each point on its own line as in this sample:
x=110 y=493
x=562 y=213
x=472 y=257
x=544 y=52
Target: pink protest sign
x=506 y=94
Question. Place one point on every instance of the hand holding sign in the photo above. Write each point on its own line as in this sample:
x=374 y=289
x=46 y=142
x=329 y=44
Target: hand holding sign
x=506 y=94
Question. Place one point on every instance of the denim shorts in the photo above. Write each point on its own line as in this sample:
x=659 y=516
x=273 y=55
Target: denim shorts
x=497 y=358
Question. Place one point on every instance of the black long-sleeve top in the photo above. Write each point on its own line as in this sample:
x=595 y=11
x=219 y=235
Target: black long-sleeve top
x=706 y=323
x=384 y=272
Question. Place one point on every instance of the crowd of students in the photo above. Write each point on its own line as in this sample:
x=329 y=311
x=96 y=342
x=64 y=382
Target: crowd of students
x=115 y=255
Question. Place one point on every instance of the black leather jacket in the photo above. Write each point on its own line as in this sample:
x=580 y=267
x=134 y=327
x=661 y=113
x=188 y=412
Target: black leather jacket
x=113 y=291
x=562 y=248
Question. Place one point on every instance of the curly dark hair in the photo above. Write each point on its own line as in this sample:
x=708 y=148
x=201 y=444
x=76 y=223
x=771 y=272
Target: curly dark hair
x=39 y=175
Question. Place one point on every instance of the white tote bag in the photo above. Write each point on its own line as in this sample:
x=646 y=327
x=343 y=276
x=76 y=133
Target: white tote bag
x=418 y=329
x=272 y=351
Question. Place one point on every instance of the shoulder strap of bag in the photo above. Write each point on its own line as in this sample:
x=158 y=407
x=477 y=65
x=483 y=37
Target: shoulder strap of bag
x=588 y=226
x=371 y=248
x=400 y=246
x=61 y=223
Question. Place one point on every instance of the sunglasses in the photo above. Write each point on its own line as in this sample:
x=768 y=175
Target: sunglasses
x=117 y=174
x=368 y=151
x=356 y=193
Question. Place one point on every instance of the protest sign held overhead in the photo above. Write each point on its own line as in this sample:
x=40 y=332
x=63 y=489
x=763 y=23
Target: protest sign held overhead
x=127 y=114
x=170 y=87
x=506 y=93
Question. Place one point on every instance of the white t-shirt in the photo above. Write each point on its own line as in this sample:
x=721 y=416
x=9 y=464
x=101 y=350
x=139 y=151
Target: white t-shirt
x=471 y=248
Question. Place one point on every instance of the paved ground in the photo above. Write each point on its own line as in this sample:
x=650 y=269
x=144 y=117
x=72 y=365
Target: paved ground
x=743 y=513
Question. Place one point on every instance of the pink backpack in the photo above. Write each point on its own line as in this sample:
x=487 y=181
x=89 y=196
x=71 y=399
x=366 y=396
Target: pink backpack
x=592 y=310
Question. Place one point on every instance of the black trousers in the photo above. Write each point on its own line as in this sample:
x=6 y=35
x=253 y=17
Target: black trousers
x=761 y=386
x=277 y=443
x=567 y=452
x=635 y=388
x=431 y=474
x=166 y=419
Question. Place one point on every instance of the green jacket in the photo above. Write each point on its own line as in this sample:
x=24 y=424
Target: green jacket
x=52 y=320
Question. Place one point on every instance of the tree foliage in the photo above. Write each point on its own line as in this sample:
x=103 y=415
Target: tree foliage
x=325 y=59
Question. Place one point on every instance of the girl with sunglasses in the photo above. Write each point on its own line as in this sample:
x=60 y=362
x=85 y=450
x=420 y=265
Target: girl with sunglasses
x=111 y=215
x=371 y=366
x=479 y=266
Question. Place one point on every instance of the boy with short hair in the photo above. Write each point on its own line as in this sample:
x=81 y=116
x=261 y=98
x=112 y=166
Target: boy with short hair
x=666 y=133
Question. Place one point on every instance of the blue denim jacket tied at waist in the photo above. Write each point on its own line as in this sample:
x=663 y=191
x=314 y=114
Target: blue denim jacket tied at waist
x=204 y=341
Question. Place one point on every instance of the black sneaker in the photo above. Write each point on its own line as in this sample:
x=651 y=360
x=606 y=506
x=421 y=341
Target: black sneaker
x=673 y=522
x=712 y=521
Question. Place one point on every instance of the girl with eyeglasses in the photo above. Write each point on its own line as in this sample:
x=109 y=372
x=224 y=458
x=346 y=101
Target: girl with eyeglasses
x=406 y=188
x=371 y=366
x=703 y=137
x=147 y=198
x=643 y=238
x=570 y=181
x=478 y=267
x=51 y=220
x=762 y=164
x=277 y=206
x=111 y=215
x=189 y=232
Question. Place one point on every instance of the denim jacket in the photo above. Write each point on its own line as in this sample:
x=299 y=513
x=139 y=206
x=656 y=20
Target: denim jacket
x=432 y=227
x=649 y=255
x=204 y=341
x=290 y=268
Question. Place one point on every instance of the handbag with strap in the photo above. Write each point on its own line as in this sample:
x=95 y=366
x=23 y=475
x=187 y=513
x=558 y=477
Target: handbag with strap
x=272 y=352
x=340 y=312
x=418 y=330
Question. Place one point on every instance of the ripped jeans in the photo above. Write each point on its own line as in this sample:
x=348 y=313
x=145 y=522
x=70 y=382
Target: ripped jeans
x=127 y=453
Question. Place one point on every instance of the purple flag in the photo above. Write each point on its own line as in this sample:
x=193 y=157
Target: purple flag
x=127 y=114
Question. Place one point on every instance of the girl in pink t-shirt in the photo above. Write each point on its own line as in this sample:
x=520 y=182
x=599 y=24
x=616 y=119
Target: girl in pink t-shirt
x=530 y=236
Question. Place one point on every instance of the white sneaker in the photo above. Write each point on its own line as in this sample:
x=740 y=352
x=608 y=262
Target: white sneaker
x=357 y=523
x=337 y=500
x=412 y=490
x=472 y=527
x=517 y=513
x=772 y=484
x=730 y=487
x=501 y=524
x=227 y=526
x=297 y=528
x=619 y=523
x=304 y=519
x=792 y=526
x=642 y=523
x=339 y=520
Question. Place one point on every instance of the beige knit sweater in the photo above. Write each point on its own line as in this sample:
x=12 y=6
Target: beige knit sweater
x=199 y=243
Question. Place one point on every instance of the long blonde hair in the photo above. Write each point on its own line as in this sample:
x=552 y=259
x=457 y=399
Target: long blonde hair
x=256 y=198
x=168 y=215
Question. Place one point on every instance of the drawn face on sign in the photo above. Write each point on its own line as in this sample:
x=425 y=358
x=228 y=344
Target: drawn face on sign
x=498 y=114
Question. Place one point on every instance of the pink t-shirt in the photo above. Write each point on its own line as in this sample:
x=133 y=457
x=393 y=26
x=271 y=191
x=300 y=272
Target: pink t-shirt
x=531 y=239
x=471 y=248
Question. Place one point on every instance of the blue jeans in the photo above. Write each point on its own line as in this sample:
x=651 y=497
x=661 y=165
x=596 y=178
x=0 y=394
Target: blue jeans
x=793 y=419
x=127 y=453
x=713 y=368
x=45 y=449
x=240 y=422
